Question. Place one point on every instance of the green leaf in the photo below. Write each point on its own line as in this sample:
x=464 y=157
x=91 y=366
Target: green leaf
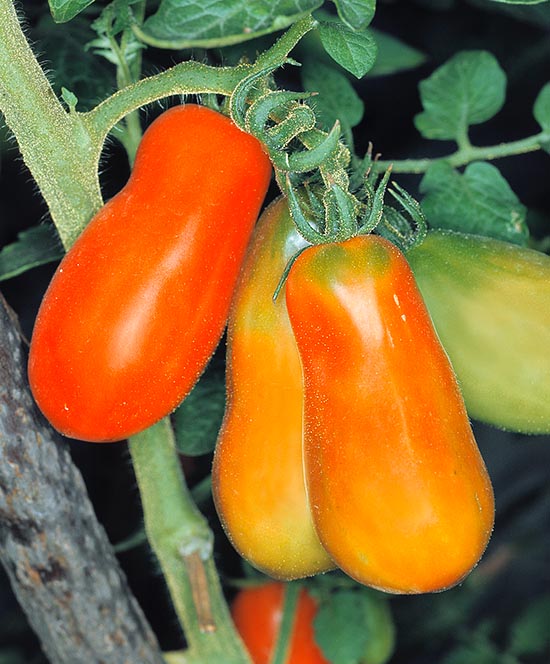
x=393 y=55
x=216 y=23
x=468 y=89
x=355 y=626
x=380 y=629
x=73 y=67
x=337 y=100
x=354 y=51
x=198 y=418
x=64 y=10
x=357 y=14
x=69 y=98
x=529 y=634
x=36 y=246
x=541 y=109
x=479 y=201
x=339 y=627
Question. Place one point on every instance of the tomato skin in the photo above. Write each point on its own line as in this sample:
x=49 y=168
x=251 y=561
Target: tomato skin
x=257 y=613
x=490 y=303
x=139 y=303
x=399 y=492
x=257 y=476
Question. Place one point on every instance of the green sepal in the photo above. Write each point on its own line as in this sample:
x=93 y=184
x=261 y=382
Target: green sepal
x=308 y=160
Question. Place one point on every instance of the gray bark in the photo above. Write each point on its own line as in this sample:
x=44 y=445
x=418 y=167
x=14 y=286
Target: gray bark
x=57 y=556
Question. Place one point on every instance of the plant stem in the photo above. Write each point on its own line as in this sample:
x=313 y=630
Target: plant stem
x=182 y=541
x=284 y=637
x=54 y=144
x=467 y=154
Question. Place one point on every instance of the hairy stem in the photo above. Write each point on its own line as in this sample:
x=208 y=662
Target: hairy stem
x=467 y=154
x=55 y=146
x=284 y=638
x=182 y=541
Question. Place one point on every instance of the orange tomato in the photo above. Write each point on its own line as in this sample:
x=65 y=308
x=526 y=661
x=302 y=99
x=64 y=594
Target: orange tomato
x=399 y=492
x=139 y=303
x=257 y=613
x=258 y=481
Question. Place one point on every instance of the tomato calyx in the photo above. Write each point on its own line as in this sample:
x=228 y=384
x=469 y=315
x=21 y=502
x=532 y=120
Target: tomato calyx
x=340 y=212
x=311 y=168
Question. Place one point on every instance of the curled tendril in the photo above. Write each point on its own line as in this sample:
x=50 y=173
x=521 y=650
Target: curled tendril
x=257 y=116
x=305 y=228
x=300 y=118
x=341 y=214
x=403 y=231
x=376 y=207
x=339 y=209
x=243 y=92
x=308 y=160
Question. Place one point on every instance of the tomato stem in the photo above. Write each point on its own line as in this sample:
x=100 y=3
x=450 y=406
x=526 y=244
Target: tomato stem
x=284 y=637
x=468 y=154
x=182 y=541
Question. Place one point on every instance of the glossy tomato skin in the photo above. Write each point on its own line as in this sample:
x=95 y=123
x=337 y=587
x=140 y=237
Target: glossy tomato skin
x=257 y=476
x=399 y=492
x=490 y=303
x=139 y=302
x=257 y=613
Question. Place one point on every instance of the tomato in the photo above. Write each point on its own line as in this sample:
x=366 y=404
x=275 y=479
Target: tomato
x=257 y=613
x=139 y=303
x=400 y=495
x=258 y=483
x=490 y=303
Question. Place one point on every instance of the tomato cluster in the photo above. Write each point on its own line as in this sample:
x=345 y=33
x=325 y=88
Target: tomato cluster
x=346 y=441
x=366 y=434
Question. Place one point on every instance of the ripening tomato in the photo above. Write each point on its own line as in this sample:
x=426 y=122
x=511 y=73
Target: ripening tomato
x=399 y=492
x=490 y=304
x=257 y=476
x=139 y=303
x=257 y=613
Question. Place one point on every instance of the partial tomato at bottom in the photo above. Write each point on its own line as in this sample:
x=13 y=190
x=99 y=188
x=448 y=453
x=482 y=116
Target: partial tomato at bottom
x=257 y=613
x=399 y=492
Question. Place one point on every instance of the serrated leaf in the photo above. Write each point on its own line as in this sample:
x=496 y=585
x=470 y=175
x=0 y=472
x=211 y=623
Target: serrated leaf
x=198 y=418
x=529 y=634
x=215 y=23
x=468 y=89
x=393 y=55
x=357 y=14
x=541 y=109
x=337 y=100
x=64 y=10
x=479 y=201
x=354 y=51
x=35 y=246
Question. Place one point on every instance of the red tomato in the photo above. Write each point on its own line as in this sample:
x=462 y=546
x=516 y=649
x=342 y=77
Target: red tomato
x=399 y=493
x=257 y=477
x=139 y=303
x=257 y=613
